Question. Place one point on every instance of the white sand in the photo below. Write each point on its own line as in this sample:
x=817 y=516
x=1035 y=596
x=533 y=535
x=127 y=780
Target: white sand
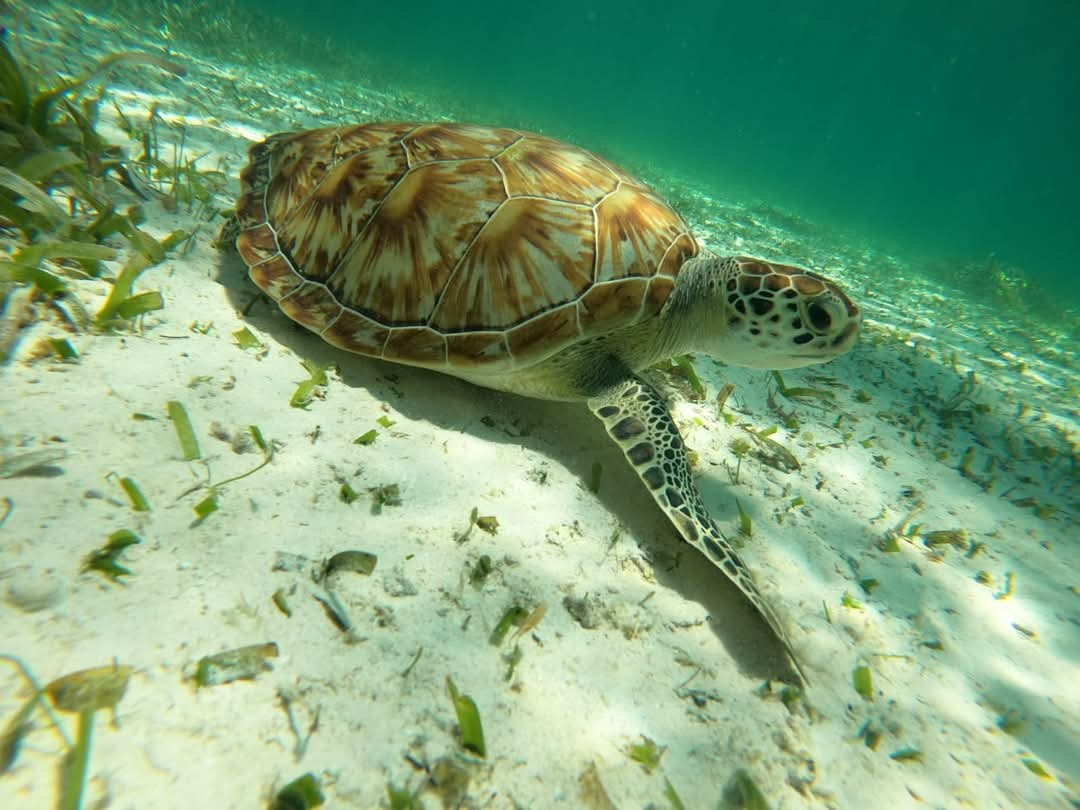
x=675 y=654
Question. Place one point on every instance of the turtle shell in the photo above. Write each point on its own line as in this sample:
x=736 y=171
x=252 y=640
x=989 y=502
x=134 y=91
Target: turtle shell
x=453 y=246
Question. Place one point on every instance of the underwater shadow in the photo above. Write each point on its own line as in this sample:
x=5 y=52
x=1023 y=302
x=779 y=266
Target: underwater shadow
x=564 y=432
x=915 y=582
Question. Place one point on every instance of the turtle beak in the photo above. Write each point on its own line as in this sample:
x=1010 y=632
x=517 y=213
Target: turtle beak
x=846 y=339
x=834 y=347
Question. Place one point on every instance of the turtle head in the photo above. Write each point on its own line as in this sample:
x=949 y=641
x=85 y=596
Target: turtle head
x=777 y=316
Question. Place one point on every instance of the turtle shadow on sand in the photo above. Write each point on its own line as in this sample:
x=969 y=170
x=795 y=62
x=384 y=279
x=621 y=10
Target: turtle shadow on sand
x=531 y=266
x=563 y=431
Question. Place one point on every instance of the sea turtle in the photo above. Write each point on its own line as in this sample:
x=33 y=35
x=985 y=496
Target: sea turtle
x=528 y=265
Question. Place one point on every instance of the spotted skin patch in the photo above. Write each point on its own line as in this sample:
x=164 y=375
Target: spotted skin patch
x=787 y=306
x=637 y=418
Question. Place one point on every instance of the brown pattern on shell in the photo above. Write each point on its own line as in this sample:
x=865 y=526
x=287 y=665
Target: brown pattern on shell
x=415 y=344
x=455 y=141
x=542 y=167
x=351 y=329
x=540 y=249
x=275 y=277
x=683 y=248
x=318 y=232
x=544 y=334
x=254 y=176
x=472 y=349
x=392 y=241
x=611 y=305
x=635 y=228
x=346 y=140
x=290 y=165
x=257 y=244
x=293 y=171
x=311 y=305
x=250 y=209
x=400 y=263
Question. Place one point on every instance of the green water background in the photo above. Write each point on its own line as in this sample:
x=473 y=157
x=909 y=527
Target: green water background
x=939 y=128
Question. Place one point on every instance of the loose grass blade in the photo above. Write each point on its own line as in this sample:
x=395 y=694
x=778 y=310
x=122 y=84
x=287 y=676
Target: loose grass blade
x=41 y=166
x=33 y=198
x=42 y=103
x=79 y=251
x=76 y=763
x=43 y=280
x=468 y=717
x=140 y=304
x=13 y=85
x=185 y=433
x=121 y=291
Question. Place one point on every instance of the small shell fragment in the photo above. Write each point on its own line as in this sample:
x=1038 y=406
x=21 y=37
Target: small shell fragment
x=243 y=663
x=359 y=562
x=89 y=689
x=488 y=523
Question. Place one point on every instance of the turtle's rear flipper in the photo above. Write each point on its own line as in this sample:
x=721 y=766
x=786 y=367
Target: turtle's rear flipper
x=637 y=418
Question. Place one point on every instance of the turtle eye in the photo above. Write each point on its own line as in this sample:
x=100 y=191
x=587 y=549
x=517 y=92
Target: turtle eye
x=819 y=316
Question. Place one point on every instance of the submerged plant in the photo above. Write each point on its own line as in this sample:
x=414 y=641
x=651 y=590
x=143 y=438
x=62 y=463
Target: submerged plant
x=60 y=182
x=81 y=694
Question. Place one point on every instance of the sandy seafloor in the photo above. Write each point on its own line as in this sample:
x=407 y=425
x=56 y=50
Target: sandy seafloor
x=665 y=648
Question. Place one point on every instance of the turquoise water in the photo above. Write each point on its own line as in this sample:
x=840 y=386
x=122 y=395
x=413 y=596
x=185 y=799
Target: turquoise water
x=910 y=507
x=947 y=129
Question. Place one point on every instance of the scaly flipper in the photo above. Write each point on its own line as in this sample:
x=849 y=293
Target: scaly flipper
x=637 y=418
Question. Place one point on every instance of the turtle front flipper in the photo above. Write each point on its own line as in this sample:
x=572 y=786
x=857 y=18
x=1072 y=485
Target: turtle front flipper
x=637 y=418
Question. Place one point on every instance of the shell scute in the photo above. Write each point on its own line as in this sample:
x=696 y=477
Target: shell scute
x=258 y=245
x=635 y=228
x=318 y=231
x=361 y=137
x=251 y=210
x=684 y=247
x=541 y=167
x=311 y=305
x=534 y=338
x=276 y=277
x=351 y=329
x=289 y=170
x=541 y=249
x=415 y=344
x=400 y=263
x=455 y=142
x=611 y=305
x=473 y=349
